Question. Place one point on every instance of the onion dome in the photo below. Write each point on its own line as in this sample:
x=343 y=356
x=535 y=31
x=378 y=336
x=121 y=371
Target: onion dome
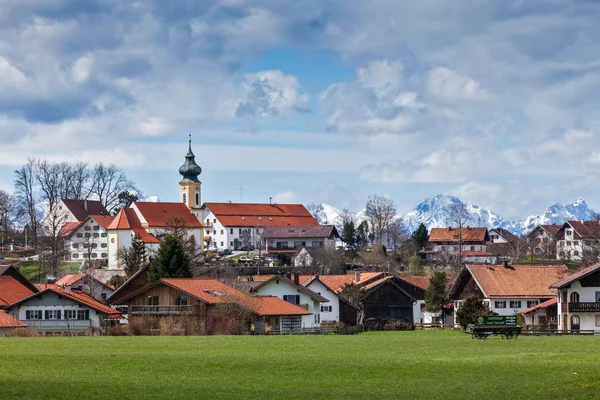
x=190 y=170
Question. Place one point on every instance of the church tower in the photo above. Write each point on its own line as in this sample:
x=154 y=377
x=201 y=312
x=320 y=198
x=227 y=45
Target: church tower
x=190 y=187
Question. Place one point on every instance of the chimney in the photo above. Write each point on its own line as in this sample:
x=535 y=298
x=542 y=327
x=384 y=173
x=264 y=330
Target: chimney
x=297 y=278
x=51 y=279
x=68 y=289
x=505 y=263
x=85 y=204
x=357 y=276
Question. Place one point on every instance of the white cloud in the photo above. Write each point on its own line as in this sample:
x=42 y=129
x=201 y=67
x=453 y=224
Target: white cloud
x=449 y=85
x=287 y=197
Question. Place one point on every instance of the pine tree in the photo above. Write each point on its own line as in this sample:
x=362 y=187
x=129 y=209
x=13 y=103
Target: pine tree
x=469 y=310
x=420 y=236
x=436 y=296
x=349 y=234
x=172 y=260
x=362 y=233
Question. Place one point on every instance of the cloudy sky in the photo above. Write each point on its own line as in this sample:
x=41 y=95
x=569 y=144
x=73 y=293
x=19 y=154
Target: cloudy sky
x=328 y=101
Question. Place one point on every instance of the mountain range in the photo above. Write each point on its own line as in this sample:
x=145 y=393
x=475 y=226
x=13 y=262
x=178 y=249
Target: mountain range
x=435 y=212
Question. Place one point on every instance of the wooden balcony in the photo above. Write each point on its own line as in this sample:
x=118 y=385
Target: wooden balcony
x=584 y=307
x=161 y=310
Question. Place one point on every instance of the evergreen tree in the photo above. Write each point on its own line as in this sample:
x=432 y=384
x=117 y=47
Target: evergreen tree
x=420 y=236
x=470 y=309
x=349 y=234
x=172 y=261
x=362 y=233
x=436 y=295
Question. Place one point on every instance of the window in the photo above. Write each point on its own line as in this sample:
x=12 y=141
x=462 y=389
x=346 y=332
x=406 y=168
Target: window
x=70 y=314
x=569 y=232
x=103 y=234
x=103 y=245
x=597 y=297
x=87 y=228
x=568 y=242
x=94 y=245
x=515 y=304
x=317 y=318
x=240 y=231
x=94 y=255
x=96 y=234
x=292 y=298
x=86 y=245
x=75 y=255
x=184 y=197
x=33 y=314
x=231 y=244
x=575 y=322
x=574 y=298
x=317 y=244
x=281 y=244
x=472 y=248
x=208 y=232
x=152 y=300
x=597 y=319
x=83 y=315
x=545 y=240
x=103 y=296
x=180 y=300
x=231 y=231
x=80 y=235
x=222 y=232
x=500 y=304
x=575 y=253
x=326 y=308
x=197 y=198
x=299 y=244
x=222 y=244
x=96 y=228
x=214 y=221
x=104 y=255
x=576 y=242
x=52 y=314
x=531 y=303
x=75 y=245
x=87 y=235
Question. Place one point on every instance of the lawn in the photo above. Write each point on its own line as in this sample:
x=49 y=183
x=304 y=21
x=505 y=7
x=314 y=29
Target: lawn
x=394 y=365
x=30 y=269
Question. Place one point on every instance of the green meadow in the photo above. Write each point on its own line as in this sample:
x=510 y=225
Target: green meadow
x=382 y=365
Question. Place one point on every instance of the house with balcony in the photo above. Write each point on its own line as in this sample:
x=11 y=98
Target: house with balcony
x=293 y=292
x=57 y=309
x=206 y=301
x=578 y=240
x=291 y=239
x=236 y=225
x=542 y=240
x=507 y=289
x=579 y=300
x=542 y=315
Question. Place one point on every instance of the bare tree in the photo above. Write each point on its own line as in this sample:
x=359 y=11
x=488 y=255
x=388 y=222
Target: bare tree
x=380 y=211
x=347 y=216
x=10 y=212
x=107 y=182
x=79 y=181
x=460 y=217
x=25 y=192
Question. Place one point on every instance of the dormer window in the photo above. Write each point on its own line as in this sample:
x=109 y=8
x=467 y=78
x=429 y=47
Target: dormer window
x=569 y=232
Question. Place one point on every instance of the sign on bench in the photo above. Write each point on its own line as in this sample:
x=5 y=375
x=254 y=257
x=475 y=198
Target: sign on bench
x=496 y=320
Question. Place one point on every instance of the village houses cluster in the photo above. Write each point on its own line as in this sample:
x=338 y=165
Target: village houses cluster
x=546 y=295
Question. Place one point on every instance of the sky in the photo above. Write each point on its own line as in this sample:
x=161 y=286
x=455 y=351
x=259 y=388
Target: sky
x=330 y=101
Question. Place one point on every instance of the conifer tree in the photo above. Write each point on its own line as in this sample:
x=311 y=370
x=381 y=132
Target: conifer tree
x=349 y=234
x=420 y=236
x=172 y=260
x=436 y=295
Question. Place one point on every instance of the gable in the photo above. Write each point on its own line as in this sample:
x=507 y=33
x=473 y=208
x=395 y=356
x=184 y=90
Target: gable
x=389 y=294
x=592 y=280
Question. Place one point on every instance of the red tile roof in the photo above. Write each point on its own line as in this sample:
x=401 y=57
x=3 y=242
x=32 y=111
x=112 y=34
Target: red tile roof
x=517 y=281
x=541 y=305
x=301 y=288
x=551 y=229
x=127 y=219
x=334 y=282
x=156 y=214
x=586 y=229
x=72 y=279
x=252 y=214
x=420 y=281
x=69 y=228
x=81 y=209
x=11 y=290
x=576 y=276
x=271 y=305
x=6 y=321
x=476 y=254
x=453 y=234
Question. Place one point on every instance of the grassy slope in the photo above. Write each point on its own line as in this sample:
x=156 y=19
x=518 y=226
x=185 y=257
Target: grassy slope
x=30 y=269
x=424 y=365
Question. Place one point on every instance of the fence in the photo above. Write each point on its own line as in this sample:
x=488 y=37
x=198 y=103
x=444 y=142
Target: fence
x=421 y=327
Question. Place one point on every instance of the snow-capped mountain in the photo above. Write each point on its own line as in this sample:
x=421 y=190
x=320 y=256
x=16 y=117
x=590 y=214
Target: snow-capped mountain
x=437 y=212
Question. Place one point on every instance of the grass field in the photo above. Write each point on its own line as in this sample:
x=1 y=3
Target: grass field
x=394 y=365
x=30 y=269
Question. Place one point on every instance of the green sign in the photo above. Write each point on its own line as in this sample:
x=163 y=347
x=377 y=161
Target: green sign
x=496 y=320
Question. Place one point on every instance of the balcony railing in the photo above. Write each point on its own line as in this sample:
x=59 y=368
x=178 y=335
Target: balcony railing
x=58 y=323
x=161 y=310
x=584 y=307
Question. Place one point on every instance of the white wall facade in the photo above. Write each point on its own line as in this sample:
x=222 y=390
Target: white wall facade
x=291 y=243
x=570 y=248
x=453 y=248
x=334 y=302
x=89 y=240
x=279 y=288
x=496 y=237
x=224 y=237
x=587 y=320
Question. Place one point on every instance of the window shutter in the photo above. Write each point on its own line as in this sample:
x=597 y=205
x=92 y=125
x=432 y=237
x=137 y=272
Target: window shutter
x=87 y=314
x=46 y=314
x=27 y=314
x=58 y=314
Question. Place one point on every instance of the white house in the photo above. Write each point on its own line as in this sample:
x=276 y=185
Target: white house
x=62 y=310
x=293 y=292
x=87 y=284
x=237 y=225
x=279 y=239
x=87 y=239
x=542 y=240
x=508 y=289
x=579 y=300
x=455 y=240
x=76 y=210
x=336 y=309
x=578 y=239
x=149 y=220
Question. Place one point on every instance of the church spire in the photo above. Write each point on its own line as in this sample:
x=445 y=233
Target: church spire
x=190 y=170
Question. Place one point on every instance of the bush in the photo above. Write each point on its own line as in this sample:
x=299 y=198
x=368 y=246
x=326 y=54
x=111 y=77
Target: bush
x=469 y=310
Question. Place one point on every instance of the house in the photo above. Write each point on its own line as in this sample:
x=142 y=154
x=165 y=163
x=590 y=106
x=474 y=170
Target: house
x=13 y=286
x=57 y=309
x=87 y=239
x=386 y=298
x=295 y=293
x=8 y=324
x=579 y=300
x=150 y=220
x=87 y=284
x=206 y=300
x=290 y=239
x=134 y=283
x=415 y=286
x=76 y=210
x=542 y=240
x=237 y=225
x=578 y=240
x=454 y=240
x=337 y=309
x=504 y=243
x=508 y=289
x=543 y=315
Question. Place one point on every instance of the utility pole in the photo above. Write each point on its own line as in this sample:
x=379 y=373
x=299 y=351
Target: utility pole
x=241 y=193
